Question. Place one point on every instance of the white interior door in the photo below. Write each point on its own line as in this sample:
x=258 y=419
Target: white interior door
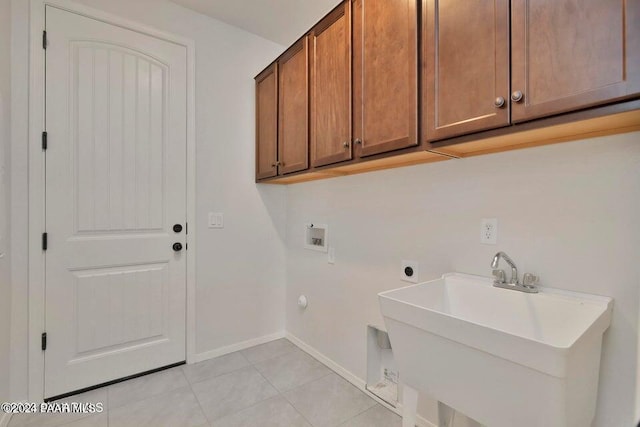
x=115 y=187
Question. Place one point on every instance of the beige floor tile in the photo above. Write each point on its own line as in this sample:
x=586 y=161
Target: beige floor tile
x=145 y=387
x=177 y=408
x=268 y=350
x=215 y=367
x=230 y=393
x=274 y=412
x=292 y=370
x=329 y=401
x=378 y=416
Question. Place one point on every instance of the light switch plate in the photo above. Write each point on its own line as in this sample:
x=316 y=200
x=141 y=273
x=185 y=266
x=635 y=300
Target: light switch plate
x=216 y=220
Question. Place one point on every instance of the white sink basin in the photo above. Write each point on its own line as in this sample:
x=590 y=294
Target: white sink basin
x=502 y=357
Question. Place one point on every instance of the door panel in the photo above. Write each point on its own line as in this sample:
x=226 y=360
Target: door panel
x=119 y=182
x=466 y=66
x=115 y=185
x=572 y=54
x=385 y=78
x=267 y=123
x=293 y=109
x=331 y=88
x=119 y=306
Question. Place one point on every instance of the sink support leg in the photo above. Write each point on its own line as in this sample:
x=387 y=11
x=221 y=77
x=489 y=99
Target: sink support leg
x=409 y=406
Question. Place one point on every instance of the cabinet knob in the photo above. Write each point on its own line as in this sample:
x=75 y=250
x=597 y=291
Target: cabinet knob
x=499 y=102
x=517 y=96
x=358 y=141
x=273 y=165
x=177 y=247
x=345 y=144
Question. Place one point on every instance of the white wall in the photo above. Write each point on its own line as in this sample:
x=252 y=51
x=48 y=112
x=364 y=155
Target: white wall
x=5 y=283
x=241 y=268
x=569 y=212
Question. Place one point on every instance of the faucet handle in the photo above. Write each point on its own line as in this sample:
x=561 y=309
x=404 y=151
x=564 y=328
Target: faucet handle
x=500 y=276
x=530 y=279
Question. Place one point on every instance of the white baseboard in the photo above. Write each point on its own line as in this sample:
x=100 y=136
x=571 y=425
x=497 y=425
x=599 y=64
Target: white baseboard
x=199 y=357
x=4 y=419
x=351 y=377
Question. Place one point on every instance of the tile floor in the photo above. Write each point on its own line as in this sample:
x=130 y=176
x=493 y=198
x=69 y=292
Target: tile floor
x=270 y=385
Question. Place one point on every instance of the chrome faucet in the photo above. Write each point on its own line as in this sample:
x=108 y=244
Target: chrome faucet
x=529 y=280
x=514 y=269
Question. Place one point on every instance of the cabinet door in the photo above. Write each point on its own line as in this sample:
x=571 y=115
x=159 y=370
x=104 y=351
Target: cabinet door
x=572 y=54
x=385 y=78
x=331 y=87
x=293 y=108
x=266 y=122
x=466 y=66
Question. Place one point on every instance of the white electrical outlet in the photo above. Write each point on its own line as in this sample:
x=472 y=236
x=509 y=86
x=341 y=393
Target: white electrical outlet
x=409 y=271
x=489 y=231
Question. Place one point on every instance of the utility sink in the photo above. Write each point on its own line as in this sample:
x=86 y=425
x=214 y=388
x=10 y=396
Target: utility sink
x=501 y=357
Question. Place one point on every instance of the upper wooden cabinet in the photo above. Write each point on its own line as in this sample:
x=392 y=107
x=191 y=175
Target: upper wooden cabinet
x=385 y=75
x=293 y=109
x=564 y=55
x=465 y=66
x=267 y=122
x=572 y=54
x=282 y=119
x=381 y=83
x=330 y=95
